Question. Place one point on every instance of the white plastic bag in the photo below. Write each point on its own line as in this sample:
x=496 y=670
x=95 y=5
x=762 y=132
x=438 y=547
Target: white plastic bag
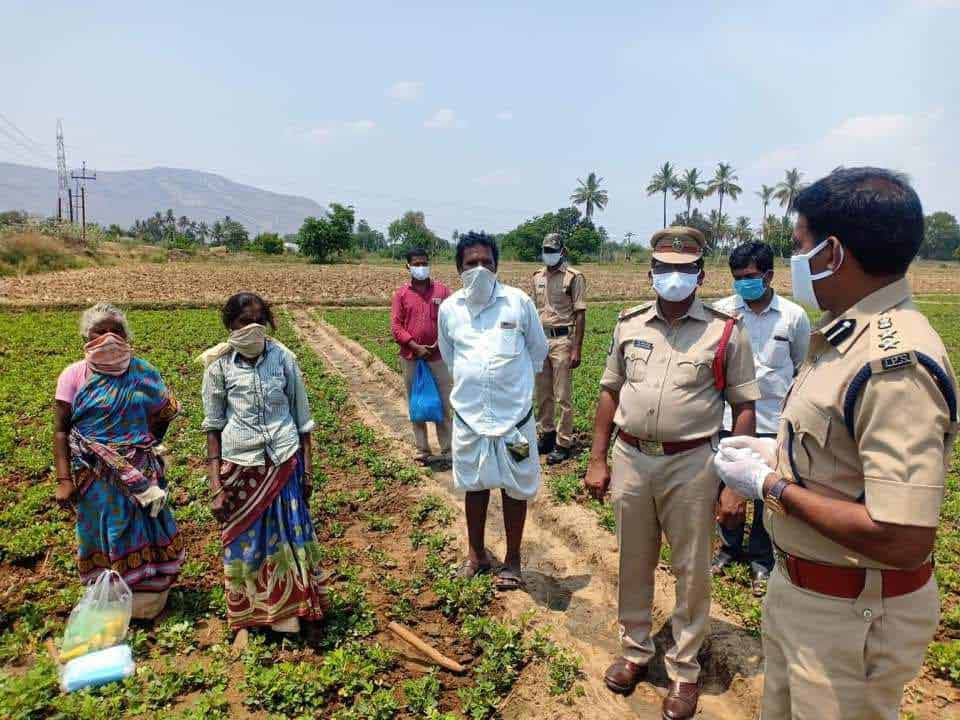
x=101 y=618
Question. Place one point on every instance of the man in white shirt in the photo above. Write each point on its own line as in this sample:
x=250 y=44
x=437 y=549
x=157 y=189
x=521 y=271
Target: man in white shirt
x=779 y=333
x=492 y=341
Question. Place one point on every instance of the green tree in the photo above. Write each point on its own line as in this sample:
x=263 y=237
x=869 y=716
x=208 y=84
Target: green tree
x=115 y=230
x=698 y=221
x=235 y=235
x=778 y=233
x=268 y=243
x=663 y=181
x=368 y=239
x=324 y=237
x=724 y=182
x=216 y=233
x=525 y=241
x=766 y=195
x=411 y=231
x=590 y=195
x=941 y=236
x=691 y=187
x=788 y=188
x=722 y=229
x=742 y=232
x=13 y=217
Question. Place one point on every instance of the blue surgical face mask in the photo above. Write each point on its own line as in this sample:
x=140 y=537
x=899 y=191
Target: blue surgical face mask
x=749 y=288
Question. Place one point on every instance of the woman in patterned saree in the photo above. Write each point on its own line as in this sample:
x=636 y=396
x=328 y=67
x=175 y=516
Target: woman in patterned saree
x=258 y=462
x=111 y=411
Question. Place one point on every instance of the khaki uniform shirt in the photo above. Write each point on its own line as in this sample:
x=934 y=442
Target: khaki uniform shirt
x=558 y=295
x=664 y=373
x=896 y=460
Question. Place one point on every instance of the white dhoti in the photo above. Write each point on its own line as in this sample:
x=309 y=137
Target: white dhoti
x=481 y=462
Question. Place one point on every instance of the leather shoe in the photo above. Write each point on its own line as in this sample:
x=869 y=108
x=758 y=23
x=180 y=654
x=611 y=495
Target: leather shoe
x=760 y=578
x=681 y=702
x=622 y=677
x=546 y=443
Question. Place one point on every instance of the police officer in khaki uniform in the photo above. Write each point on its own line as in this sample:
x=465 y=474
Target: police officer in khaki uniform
x=559 y=292
x=854 y=481
x=672 y=366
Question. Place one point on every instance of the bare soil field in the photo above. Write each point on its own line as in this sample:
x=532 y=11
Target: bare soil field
x=208 y=282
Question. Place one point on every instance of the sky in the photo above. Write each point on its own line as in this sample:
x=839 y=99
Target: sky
x=485 y=115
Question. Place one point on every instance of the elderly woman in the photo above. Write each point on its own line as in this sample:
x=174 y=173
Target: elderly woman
x=111 y=411
x=258 y=462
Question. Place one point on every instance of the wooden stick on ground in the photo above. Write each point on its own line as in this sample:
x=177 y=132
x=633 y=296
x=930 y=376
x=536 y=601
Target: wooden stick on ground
x=435 y=655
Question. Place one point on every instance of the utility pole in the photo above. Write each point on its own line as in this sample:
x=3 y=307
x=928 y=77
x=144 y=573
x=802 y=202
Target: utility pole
x=63 y=181
x=81 y=181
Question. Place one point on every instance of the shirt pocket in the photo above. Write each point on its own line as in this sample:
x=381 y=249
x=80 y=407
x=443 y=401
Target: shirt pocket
x=274 y=387
x=693 y=369
x=807 y=435
x=635 y=360
x=776 y=354
x=507 y=339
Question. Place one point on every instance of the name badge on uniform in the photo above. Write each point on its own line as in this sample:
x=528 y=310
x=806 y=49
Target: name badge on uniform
x=437 y=301
x=643 y=344
x=505 y=325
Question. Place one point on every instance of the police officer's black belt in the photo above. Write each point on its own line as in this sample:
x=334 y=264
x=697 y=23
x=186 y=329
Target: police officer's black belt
x=519 y=425
x=555 y=332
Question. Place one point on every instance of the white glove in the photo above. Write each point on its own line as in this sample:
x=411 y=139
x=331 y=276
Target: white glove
x=152 y=499
x=766 y=448
x=742 y=470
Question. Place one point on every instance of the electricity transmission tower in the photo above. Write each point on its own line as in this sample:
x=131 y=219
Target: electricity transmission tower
x=81 y=184
x=63 y=180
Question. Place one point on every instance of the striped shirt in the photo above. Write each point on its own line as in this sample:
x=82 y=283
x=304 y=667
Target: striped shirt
x=260 y=410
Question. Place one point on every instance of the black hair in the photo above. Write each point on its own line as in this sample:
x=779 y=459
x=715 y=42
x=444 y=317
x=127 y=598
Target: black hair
x=472 y=239
x=873 y=212
x=416 y=252
x=237 y=303
x=754 y=251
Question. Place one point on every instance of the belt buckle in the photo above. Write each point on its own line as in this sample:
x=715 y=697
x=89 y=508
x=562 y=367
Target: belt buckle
x=652 y=448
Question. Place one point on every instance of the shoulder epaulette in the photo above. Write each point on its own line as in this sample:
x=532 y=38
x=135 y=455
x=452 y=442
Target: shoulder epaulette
x=635 y=310
x=887 y=349
x=722 y=313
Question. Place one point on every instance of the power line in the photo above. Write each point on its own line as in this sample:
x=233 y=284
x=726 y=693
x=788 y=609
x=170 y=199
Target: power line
x=36 y=147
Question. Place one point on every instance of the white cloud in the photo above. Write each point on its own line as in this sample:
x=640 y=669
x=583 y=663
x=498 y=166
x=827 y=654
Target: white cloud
x=360 y=126
x=441 y=119
x=505 y=115
x=871 y=127
x=405 y=90
x=498 y=177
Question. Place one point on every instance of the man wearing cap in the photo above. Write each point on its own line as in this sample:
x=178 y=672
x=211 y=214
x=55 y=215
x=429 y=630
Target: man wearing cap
x=558 y=291
x=672 y=366
x=854 y=482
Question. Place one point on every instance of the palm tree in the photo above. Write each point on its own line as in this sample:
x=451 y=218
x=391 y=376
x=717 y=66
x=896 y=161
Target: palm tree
x=765 y=195
x=721 y=229
x=787 y=190
x=663 y=181
x=724 y=182
x=691 y=187
x=742 y=232
x=590 y=195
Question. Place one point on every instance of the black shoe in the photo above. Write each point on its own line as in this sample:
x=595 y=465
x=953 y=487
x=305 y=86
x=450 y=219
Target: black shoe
x=721 y=562
x=760 y=577
x=547 y=442
x=559 y=454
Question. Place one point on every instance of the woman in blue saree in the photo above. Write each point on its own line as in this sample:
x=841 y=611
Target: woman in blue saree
x=111 y=411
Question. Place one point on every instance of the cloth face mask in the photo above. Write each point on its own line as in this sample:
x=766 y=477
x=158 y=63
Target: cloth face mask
x=478 y=284
x=249 y=340
x=108 y=354
x=420 y=272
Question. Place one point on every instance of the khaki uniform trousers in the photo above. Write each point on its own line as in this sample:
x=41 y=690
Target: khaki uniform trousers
x=444 y=383
x=675 y=495
x=830 y=658
x=554 y=386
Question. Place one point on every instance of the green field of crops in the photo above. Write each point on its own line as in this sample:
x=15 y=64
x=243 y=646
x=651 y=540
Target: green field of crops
x=385 y=553
x=371 y=328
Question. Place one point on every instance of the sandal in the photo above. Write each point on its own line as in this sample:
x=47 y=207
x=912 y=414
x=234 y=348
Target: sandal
x=509 y=579
x=468 y=569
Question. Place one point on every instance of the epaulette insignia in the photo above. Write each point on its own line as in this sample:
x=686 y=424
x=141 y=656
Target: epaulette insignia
x=636 y=309
x=840 y=332
x=887 y=352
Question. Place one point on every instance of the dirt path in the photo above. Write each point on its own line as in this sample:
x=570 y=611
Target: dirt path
x=570 y=565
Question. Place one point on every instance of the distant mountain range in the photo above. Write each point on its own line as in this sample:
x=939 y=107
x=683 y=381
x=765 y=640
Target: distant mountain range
x=124 y=196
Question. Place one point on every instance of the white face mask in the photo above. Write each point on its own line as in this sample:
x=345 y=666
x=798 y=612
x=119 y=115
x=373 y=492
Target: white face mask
x=551 y=259
x=478 y=283
x=420 y=272
x=249 y=340
x=802 y=279
x=675 y=286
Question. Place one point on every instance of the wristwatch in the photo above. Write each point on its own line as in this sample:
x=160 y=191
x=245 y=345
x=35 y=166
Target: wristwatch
x=772 y=498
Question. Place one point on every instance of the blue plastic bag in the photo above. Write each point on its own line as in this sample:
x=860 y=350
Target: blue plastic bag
x=425 y=402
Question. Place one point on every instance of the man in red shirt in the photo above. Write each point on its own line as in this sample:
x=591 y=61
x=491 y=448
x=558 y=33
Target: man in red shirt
x=413 y=322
